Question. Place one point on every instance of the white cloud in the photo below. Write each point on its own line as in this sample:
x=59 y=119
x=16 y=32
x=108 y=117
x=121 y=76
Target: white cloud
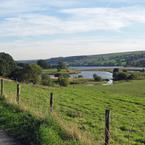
x=18 y=7
x=78 y=20
x=46 y=49
x=35 y=18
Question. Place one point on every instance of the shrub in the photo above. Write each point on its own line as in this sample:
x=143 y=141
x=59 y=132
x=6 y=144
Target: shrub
x=131 y=76
x=120 y=76
x=66 y=75
x=125 y=70
x=97 y=78
x=80 y=76
x=115 y=70
x=46 y=80
x=63 y=81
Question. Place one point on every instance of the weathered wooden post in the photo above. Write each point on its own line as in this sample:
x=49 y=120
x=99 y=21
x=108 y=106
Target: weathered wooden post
x=2 y=87
x=18 y=93
x=51 y=102
x=107 y=127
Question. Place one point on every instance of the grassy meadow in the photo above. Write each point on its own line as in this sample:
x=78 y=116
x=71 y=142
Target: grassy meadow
x=79 y=110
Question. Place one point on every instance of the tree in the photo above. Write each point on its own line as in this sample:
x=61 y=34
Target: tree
x=46 y=80
x=120 y=76
x=63 y=81
x=61 y=65
x=17 y=74
x=115 y=73
x=32 y=73
x=29 y=73
x=43 y=64
x=7 y=64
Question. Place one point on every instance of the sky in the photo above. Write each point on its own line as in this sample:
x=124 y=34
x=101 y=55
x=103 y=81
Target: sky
x=39 y=29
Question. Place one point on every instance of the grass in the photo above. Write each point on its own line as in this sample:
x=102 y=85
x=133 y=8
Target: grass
x=62 y=71
x=32 y=130
x=79 y=112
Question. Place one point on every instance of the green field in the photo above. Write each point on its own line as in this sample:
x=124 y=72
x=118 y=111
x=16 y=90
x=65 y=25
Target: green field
x=79 y=111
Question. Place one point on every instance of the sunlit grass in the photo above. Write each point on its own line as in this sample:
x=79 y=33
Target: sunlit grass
x=80 y=109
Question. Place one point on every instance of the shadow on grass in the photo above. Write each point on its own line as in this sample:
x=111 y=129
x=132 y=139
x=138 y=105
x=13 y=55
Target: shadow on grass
x=18 y=124
x=31 y=131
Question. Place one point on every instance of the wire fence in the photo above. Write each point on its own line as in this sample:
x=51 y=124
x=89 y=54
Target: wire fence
x=106 y=128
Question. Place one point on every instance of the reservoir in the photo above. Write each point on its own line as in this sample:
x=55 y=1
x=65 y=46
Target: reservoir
x=86 y=72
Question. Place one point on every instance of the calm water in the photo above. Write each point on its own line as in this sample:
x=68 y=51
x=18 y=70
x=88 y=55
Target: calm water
x=85 y=73
x=89 y=74
x=105 y=67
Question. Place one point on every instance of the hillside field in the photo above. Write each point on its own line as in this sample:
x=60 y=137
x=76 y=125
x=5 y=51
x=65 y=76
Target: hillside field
x=126 y=59
x=80 y=109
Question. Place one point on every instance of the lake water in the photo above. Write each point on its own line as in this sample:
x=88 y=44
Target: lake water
x=86 y=73
x=105 y=67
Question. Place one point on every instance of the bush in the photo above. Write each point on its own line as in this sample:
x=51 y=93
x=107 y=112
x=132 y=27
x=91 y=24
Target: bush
x=7 y=64
x=46 y=80
x=97 y=78
x=63 y=81
x=120 y=76
x=65 y=75
x=131 y=77
x=80 y=76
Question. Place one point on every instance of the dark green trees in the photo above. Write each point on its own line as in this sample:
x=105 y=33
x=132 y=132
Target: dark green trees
x=122 y=75
x=43 y=64
x=61 y=65
x=7 y=64
x=32 y=73
x=28 y=73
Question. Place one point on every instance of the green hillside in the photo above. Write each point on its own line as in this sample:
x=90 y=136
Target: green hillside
x=78 y=114
x=136 y=58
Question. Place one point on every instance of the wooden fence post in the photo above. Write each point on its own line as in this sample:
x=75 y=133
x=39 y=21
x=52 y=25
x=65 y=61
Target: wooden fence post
x=107 y=127
x=18 y=93
x=51 y=102
x=2 y=87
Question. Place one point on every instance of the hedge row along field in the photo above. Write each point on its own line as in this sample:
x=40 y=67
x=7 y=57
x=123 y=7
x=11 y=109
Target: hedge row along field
x=79 y=111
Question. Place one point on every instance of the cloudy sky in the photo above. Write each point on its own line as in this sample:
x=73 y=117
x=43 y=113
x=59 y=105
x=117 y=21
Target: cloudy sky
x=31 y=29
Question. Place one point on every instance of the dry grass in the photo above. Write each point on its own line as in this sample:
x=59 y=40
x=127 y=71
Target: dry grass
x=73 y=131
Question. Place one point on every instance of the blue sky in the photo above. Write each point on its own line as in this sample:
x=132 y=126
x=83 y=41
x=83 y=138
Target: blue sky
x=33 y=29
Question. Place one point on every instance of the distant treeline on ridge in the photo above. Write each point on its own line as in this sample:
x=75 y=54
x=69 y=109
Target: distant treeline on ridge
x=136 y=58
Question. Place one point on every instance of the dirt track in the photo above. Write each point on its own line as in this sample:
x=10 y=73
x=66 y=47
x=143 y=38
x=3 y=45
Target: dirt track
x=6 y=140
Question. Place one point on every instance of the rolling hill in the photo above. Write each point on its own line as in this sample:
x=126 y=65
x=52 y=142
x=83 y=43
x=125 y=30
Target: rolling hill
x=135 y=58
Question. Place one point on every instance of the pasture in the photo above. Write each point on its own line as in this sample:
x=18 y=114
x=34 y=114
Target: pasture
x=79 y=110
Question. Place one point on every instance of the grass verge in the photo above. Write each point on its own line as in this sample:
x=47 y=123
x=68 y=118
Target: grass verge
x=30 y=130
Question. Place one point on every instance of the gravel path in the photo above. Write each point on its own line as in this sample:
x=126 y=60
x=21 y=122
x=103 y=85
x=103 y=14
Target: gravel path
x=6 y=140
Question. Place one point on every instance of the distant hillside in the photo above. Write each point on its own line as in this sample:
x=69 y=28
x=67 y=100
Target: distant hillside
x=136 y=58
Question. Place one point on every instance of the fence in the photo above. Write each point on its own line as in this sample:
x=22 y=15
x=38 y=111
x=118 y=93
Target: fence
x=41 y=103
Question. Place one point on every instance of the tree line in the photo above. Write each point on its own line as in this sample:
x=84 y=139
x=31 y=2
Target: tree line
x=29 y=73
